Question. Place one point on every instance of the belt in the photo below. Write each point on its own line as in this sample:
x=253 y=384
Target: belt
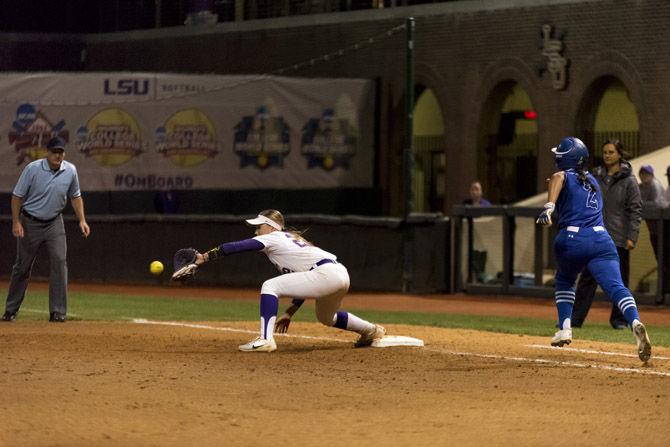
x=31 y=217
x=324 y=261
x=597 y=229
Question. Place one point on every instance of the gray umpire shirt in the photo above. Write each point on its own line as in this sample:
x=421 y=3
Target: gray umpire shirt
x=44 y=191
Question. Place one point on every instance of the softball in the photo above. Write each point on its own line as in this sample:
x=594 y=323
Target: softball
x=156 y=267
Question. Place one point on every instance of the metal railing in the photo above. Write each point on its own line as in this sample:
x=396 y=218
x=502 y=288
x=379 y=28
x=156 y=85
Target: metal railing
x=506 y=285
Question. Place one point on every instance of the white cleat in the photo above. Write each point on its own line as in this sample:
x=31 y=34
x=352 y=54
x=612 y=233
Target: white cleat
x=642 y=339
x=368 y=337
x=259 y=345
x=562 y=337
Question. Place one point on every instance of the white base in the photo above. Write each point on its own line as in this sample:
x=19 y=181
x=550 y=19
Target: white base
x=396 y=340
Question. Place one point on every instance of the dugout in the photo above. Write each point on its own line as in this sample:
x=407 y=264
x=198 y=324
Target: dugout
x=121 y=247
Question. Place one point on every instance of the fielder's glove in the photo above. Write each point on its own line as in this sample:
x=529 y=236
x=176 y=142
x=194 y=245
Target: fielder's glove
x=184 y=264
x=545 y=217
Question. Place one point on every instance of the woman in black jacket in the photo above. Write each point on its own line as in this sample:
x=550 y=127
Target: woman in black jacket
x=622 y=213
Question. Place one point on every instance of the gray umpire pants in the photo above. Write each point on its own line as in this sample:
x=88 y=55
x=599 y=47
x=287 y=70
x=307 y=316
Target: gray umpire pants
x=37 y=234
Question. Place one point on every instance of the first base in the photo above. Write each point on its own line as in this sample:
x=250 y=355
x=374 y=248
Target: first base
x=396 y=340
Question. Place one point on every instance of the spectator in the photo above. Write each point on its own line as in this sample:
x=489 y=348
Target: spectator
x=476 y=258
x=653 y=197
x=665 y=271
x=476 y=198
x=622 y=212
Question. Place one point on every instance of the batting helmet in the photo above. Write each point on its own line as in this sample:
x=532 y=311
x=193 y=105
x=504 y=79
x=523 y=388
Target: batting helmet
x=571 y=154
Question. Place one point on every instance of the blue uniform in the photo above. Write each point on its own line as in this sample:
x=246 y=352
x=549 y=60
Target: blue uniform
x=582 y=241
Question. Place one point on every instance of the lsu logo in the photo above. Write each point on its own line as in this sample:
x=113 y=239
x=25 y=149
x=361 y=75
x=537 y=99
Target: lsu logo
x=262 y=140
x=112 y=137
x=187 y=138
x=328 y=142
x=31 y=130
x=126 y=87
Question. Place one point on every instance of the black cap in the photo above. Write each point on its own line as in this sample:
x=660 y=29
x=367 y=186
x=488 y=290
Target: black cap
x=56 y=144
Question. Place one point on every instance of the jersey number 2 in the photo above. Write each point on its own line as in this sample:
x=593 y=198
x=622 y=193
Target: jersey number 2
x=296 y=241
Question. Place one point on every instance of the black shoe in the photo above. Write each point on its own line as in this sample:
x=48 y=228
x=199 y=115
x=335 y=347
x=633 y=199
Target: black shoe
x=619 y=325
x=56 y=317
x=8 y=316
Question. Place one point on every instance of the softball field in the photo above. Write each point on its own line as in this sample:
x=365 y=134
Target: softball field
x=158 y=383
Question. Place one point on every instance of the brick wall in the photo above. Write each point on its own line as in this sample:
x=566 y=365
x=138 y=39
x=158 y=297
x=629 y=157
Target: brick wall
x=463 y=51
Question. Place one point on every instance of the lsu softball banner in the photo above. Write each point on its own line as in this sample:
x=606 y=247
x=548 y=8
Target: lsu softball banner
x=144 y=131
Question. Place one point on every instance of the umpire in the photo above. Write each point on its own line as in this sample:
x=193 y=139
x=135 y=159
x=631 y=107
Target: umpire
x=37 y=202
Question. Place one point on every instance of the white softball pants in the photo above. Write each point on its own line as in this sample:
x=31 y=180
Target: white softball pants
x=327 y=284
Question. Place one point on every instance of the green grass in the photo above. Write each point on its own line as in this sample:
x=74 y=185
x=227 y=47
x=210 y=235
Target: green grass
x=110 y=307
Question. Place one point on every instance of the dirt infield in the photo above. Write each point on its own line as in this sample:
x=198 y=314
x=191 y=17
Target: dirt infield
x=140 y=384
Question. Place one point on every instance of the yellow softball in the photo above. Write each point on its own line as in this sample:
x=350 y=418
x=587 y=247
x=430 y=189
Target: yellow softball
x=156 y=267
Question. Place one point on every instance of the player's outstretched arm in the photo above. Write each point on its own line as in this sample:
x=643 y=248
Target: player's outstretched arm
x=283 y=322
x=230 y=248
x=555 y=185
x=554 y=190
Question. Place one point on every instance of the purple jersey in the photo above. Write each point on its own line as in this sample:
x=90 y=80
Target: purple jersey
x=577 y=204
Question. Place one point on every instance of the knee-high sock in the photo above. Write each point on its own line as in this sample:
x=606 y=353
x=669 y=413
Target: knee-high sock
x=565 y=300
x=350 y=322
x=564 y=295
x=269 y=309
x=609 y=277
x=626 y=304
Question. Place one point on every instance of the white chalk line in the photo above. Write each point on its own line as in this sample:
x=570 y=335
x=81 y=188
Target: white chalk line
x=591 y=351
x=230 y=329
x=554 y=362
x=439 y=351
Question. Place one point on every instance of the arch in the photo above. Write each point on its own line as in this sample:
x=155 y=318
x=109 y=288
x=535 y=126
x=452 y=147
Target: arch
x=429 y=152
x=600 y=75
x=506 y=165
x=605 y=112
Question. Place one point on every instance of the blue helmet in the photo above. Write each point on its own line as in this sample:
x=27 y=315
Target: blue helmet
x=571 y=154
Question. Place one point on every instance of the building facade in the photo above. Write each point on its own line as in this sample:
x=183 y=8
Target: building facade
x=485 y=62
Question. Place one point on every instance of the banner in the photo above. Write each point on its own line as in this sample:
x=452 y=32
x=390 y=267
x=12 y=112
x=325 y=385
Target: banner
x=145 y=131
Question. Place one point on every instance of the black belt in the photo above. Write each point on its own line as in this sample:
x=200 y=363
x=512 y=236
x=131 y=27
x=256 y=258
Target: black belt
x=324 y=261
x=31 y=217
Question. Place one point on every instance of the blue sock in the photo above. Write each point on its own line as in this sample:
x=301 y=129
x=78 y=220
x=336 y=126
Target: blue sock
x=269 y=309
x=341 y=319
x=626 y=304
x=565 y=301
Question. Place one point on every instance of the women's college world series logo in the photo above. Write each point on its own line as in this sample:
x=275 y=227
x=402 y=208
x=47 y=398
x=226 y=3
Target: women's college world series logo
x=187 y=138
x=262 y=140
x=31 y=130
x=329 y=142
x=112 y=137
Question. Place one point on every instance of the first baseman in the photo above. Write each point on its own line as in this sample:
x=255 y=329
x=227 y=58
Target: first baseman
x=308 y=272
x=582 y=241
